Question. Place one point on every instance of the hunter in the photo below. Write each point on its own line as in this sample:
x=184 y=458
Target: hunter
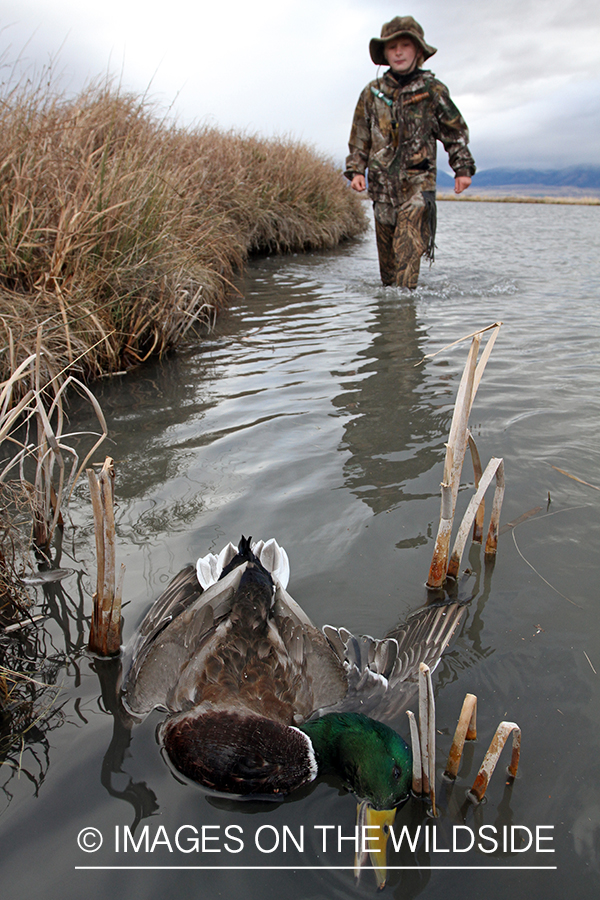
x=398 y=119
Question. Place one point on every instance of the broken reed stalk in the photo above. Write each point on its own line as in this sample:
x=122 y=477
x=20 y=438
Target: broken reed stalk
x=427 y=733
x=458 y=440
x=495 y=467
x=466 y=730
x=477 y=473
x=423 y=744
x=477 y=792
x=105 y=632
x=417 y=768
x=360 y=856
x=491 y=544
x=455 y=454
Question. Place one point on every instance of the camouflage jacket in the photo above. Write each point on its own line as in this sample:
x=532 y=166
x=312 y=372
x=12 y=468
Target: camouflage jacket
x=394 y=136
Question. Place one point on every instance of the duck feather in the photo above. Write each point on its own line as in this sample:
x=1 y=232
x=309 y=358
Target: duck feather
x=382 y=674
x=190 y=648
x=171 y=656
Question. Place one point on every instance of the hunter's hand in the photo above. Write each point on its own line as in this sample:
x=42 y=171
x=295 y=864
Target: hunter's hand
x=359 y=184
x=461 y=183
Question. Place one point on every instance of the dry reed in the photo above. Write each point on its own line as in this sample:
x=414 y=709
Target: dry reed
x=105 y=631
x=39 y=466
x=120 y=231
x=443 y=564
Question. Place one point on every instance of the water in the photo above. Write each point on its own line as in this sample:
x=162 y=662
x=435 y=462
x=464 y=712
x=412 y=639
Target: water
x=304 y=417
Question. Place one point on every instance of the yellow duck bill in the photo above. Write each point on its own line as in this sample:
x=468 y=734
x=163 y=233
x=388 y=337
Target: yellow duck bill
x=373 y=833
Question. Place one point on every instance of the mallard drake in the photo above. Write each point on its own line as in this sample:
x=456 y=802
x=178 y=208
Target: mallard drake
x=260 y=701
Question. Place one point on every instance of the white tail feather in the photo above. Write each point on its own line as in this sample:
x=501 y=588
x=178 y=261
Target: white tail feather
x=271 y=555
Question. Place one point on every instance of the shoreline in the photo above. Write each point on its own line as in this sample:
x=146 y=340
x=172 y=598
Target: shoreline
x=516 y=198
x=126 y=230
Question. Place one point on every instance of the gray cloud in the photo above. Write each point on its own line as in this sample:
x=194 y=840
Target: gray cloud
x=523 y=72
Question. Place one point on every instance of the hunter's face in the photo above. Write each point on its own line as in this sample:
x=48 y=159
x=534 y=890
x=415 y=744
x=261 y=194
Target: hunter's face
x=401 y=54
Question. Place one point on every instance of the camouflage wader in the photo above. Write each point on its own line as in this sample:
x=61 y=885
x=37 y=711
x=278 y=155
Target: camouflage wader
x=394 y=136
x=404 y=236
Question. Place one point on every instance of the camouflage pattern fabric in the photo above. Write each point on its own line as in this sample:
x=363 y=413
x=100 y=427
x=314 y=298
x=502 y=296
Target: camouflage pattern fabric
x=394 y=136
x=400 y=246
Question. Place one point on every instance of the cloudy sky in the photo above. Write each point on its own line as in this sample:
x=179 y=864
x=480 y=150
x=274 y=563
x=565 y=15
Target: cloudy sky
x=525 y=73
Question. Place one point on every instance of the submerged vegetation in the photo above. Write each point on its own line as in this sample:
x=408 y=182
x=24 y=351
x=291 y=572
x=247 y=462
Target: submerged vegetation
x=120 y=230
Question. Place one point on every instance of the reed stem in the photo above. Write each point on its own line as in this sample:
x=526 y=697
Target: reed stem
x=105 y=632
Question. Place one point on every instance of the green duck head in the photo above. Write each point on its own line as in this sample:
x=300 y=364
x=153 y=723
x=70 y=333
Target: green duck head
x=374 y=762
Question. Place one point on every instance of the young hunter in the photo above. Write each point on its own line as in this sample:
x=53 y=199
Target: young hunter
x=398 y=119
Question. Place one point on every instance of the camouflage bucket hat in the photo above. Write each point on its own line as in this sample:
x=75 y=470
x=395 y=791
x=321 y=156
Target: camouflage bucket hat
x=401 y=26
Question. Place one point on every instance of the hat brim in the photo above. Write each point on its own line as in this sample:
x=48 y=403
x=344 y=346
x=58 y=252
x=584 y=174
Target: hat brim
x=376 y=46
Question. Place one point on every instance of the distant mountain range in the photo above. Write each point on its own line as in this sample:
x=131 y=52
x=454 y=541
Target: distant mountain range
x=578 y=177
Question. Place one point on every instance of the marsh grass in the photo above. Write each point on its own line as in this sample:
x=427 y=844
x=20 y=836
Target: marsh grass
x=120 y=231
x=39 y=466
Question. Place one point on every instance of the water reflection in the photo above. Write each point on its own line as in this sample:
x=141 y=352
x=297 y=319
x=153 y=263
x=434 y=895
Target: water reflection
x=137 y=794
x=36 y=663
x=392 y=432
x=31 y=707
x=177 y=416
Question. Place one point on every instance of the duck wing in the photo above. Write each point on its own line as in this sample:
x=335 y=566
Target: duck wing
x=178 y=629
x=182 y=638
x=324 y=675
x=382 y=674
x=183 y=590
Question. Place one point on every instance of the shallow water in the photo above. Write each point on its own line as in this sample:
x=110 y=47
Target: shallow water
x=304 y=417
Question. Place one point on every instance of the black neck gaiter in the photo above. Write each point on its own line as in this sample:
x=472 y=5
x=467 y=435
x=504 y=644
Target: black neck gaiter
x=404 y=78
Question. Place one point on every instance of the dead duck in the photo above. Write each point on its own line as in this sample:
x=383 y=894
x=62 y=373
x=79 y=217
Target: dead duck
x=259 y=700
